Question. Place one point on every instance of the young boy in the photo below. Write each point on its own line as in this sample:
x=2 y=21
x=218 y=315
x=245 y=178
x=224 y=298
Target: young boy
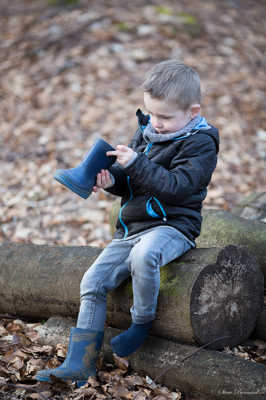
x=162 y=178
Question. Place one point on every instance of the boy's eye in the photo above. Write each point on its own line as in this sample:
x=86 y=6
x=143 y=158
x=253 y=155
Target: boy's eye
x=164 y=118
x=161 y=116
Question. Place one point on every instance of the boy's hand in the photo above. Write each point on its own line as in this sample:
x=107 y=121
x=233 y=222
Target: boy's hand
x=123 y=153
x=103 y=180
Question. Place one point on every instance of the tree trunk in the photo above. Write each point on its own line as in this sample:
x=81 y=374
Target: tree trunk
x=221 y=228
x=253 y=207
x=212 y=374
x=260 y=331
x=39 y=281
x=197 y=372
x=206 y=295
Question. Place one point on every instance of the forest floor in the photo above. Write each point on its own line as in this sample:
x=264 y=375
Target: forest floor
x=69 y=75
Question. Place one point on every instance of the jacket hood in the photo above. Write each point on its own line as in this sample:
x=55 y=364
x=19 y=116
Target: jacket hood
x=214 y=134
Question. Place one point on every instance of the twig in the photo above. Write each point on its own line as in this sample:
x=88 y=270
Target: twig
x=192 y=353
x=203 y=346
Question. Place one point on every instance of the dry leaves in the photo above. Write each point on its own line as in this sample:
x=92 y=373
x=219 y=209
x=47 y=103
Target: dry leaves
x=255 y=351
x=21 y=357
x=70 y=75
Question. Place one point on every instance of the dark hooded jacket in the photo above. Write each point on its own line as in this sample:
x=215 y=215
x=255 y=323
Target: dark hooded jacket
x=166 y=183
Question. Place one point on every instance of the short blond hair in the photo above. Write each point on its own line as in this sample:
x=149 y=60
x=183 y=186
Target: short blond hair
x=173 y=81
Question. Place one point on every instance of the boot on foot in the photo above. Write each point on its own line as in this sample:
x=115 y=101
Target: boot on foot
x=80 y=363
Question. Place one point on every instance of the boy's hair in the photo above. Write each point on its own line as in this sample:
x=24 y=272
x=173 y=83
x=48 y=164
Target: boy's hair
x=174 y=81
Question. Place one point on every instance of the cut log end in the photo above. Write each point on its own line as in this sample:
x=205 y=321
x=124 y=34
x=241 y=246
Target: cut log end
x=227 y=299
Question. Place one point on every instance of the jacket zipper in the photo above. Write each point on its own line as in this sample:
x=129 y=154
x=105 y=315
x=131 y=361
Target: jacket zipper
x=121 y=209
x=147 y=148
x=149 y=209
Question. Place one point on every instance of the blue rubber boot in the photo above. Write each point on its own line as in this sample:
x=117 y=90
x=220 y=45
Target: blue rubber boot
x=80 y=363
x=82 y=178
x=130 y=340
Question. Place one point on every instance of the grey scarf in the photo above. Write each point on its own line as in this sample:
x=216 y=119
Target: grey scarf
x=150 y=134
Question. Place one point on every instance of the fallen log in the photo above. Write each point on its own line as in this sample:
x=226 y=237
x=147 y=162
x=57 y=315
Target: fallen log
x=194 y=371
x=216 y=375
x=260 y=330
x=253 y=207
x=38 y=281
x=208 y=295
x=222 y=228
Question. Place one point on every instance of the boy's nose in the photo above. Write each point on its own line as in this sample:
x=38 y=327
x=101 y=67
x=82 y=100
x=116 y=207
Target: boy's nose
x=157 y=123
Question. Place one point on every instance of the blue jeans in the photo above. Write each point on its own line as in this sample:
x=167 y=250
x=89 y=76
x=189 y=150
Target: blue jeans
x=140 y=256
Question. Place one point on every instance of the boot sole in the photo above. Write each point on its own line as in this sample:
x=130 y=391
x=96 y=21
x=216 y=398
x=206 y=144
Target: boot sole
x=47 y=379
x=76 y=189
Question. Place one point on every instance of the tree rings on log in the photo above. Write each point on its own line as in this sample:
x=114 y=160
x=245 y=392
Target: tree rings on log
x=227 y=299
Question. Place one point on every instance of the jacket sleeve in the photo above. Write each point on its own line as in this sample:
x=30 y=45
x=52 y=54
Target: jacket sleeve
x=190 y=170
x=120 y=187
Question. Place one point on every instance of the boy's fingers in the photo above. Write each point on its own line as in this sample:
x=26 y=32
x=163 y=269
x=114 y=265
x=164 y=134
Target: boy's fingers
x=119 y=148
x=103 y=178
x=111 y=153
x=103 y=172
x=99 y=179
x=122 y=147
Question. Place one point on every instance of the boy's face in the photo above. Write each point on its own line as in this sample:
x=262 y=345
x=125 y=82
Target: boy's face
x=166 y=117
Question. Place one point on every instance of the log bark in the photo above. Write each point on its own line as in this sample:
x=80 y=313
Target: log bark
x=222 y=228
x=253 y=207
x=216 y=375
x=198 y=372
x=205 y=295
x=260 y=330
x=39 y=281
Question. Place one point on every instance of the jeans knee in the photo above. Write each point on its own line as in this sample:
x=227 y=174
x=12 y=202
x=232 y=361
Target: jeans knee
x=88 y=284
x=142 y=260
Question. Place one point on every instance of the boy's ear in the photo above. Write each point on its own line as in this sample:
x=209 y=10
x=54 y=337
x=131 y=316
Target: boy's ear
x=194 y=110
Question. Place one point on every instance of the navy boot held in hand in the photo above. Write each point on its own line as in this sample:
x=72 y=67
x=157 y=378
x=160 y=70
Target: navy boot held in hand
x=130 y=340
x=80 y=363
x=82 y=178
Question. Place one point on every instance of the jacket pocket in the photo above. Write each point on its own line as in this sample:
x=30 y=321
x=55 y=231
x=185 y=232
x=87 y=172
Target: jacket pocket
x=153 y=203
